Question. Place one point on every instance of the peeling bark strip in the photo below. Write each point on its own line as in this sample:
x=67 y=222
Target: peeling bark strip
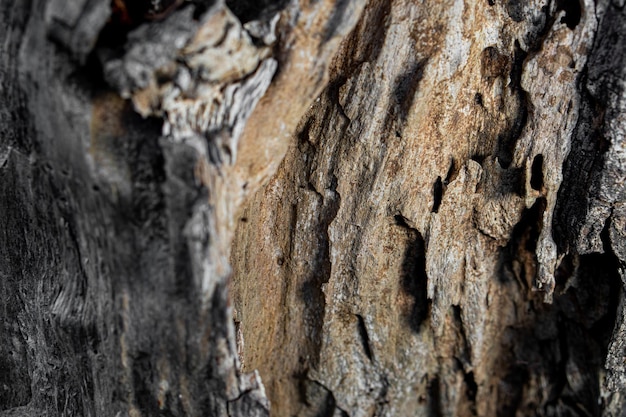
x=407 y=209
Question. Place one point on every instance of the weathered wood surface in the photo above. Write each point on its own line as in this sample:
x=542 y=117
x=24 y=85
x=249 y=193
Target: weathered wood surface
x=315 y=208
x=462 y=168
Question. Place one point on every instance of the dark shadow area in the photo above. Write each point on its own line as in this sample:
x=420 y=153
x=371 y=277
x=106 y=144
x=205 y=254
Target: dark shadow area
x=437 y=195
x=470 y=386
x=434 y=398
x=247 y=10
x=512 y=181
x=518 y=261
x=414 y=279
x=478 y=158
x=15 y=383
x=563 y=273
x=515 y=9
x=453 y=172
x=333 y=91
x=142 y=373
x=463 y=363
x=319 y=400
x=127 y=15
x=493 y=64
x=536 y=176
x=462 y=359
x=365 y=340
x=573 y=12
x=511 y=390
x=147 y=169
x=565 y=343
x=478 y=99
x=593 y=302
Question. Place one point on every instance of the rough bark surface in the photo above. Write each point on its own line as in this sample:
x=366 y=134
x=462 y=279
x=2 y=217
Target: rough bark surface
x=443 y=236
x=313 y=208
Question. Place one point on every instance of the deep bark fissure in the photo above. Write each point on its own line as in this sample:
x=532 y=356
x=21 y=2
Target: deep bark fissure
x=365 y=340
x=414 y=278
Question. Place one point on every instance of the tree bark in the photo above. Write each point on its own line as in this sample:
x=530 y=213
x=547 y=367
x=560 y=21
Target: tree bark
x=312 y=208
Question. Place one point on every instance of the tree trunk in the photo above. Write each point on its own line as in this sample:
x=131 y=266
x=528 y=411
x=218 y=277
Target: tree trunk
x=312 y=208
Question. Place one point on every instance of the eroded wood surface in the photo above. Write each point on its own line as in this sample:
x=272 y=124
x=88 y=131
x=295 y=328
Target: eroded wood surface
x=445 y=229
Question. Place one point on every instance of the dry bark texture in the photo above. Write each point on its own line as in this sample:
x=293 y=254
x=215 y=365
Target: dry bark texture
x=462 y=170
x=318 y=208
